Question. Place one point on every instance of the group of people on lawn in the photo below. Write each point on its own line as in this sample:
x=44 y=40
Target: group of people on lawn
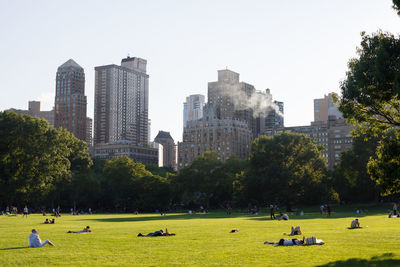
x=34 y=239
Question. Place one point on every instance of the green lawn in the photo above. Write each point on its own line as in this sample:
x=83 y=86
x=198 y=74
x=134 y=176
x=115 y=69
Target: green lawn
x=202 y=239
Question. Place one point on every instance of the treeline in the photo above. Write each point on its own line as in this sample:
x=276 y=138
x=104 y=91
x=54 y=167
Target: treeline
x=45 y=167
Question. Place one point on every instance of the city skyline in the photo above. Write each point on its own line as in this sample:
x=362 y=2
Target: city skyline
x=300 y=51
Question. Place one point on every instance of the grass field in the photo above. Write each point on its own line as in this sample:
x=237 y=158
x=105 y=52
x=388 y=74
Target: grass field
x=202 y=239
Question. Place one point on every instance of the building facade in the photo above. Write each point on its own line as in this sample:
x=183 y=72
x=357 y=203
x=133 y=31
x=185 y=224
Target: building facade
x=145 y=155
x=339 y=138
x=321 y=107
x=70 y=99
x=234 y=115
x=169 y=149
x=89 y=131
x=318 y=131
x=225 y=136
x=121 y=102
x=240 y=100
x=328 y=129
x=34 y=110
x=193 y=108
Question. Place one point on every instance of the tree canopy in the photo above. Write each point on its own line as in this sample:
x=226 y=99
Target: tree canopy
x=385 y=167
x=371 y=90
x=351 y=178
x=34 y=156
x=287 y=168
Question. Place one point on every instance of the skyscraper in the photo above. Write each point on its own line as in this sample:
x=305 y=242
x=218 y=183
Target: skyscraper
x=70 y=100
x=193 y=108
x=89 y=131
x=235 y=114
x=121 y=102
x=169 y=149
x=239 y=100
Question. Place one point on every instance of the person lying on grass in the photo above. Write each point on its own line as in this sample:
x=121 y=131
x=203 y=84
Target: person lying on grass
x=355 y=224
x=295 y=231
x=85 y=230
x=234 y=230
x=35 y=242
x=157 y=233
x=287 y=242
x=295 y=242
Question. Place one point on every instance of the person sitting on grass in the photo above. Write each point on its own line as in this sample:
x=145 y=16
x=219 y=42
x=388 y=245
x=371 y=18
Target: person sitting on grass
x=53 y=221
x=355 y=224
x=46 y=221
x=295 y=231
x=283 y=216
x=35 y=242
x=157 y=233
x=85 y=230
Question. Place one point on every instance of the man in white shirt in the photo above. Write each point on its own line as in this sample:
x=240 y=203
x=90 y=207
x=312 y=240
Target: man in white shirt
x=35 y=242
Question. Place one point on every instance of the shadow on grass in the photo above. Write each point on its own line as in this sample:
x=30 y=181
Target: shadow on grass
x=13 y=248
x=382 y=260
x=222 y=215
x=312 y=212
x=183 y=216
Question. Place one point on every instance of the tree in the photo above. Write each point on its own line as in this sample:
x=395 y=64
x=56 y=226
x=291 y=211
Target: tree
x=351 y=178
x=204 y=182
x=286 y=168
x=33 y=157
x=371 y=99
x=396 y=6
x=371 y=90
x=385 y=168
x=120 y=175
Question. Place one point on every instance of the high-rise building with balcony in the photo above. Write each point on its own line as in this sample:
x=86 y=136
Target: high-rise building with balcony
x=121 y=102
x=70 y=99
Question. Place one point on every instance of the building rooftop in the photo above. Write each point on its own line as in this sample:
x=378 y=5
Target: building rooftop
x=70 y=64
x=162 y=134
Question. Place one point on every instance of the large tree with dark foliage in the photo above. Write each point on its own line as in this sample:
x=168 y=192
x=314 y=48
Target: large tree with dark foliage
x=207 y=181
x=33 y=157
x=351 y=178
x=385 y=167
x=371 y=100
x=287 y=168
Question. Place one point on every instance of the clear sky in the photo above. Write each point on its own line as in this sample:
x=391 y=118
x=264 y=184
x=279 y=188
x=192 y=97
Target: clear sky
x=298 y=49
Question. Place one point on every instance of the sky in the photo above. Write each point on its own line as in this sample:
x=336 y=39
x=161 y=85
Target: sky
x=298 y=49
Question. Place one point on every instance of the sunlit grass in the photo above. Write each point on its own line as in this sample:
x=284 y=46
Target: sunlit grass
x=202 y=239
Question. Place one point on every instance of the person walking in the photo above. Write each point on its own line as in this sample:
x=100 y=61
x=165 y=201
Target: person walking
x=329 y=209
x=272 y=211
x=25 y=213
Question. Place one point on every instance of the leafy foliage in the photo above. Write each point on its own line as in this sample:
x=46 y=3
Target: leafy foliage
x=33 y=157
x=370 y=93
x=385 y=168
x=287 y=168
x=351 y=178
x=396 y=6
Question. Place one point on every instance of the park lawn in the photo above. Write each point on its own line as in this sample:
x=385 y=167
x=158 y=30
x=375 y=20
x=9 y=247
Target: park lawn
x=202 y=239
